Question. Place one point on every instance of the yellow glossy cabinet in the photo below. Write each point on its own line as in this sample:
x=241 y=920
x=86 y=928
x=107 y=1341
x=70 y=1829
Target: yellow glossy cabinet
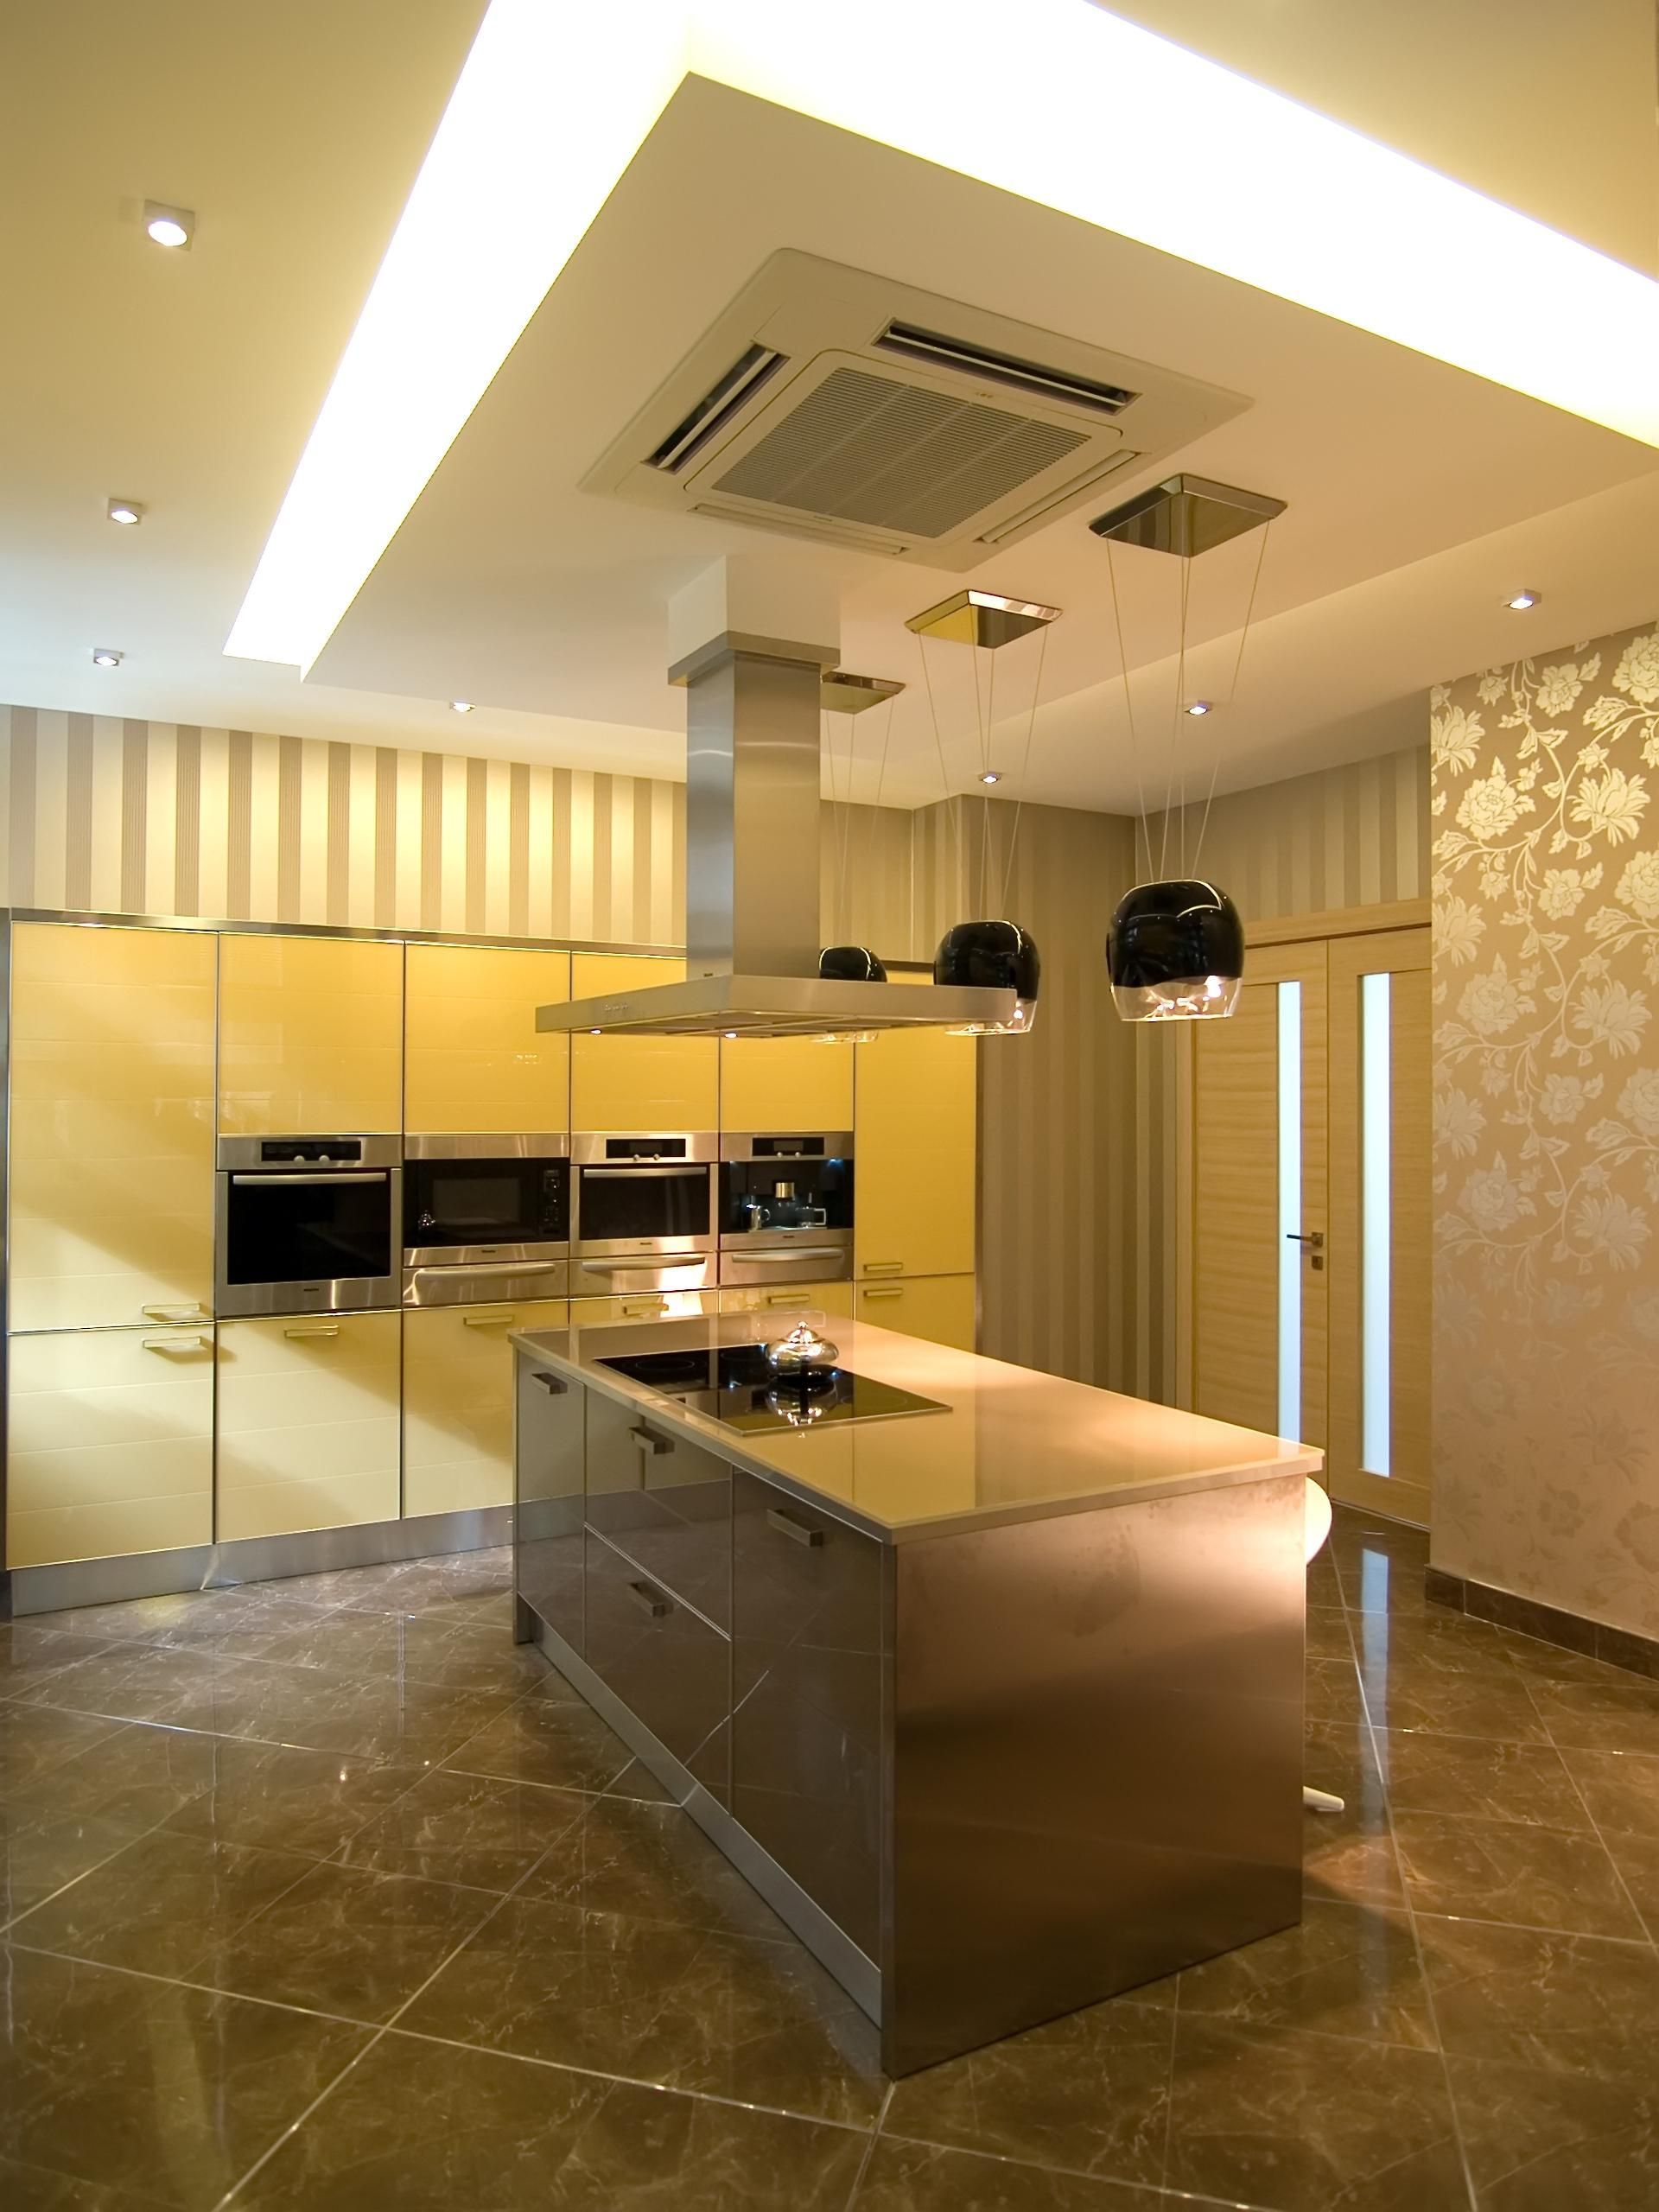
x=307 y=1423
x=916 y=1155
x=640 y=1084
x=458 y=1402
x=111 y=1125
x=647 y=1306
x=110 y=1443
x=310 y=1035
x=784 y=1083
x=830 y=1298
x=940 y=1307
x=473 y=1059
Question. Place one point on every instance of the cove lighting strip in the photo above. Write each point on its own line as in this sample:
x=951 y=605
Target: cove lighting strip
x=1075 y=109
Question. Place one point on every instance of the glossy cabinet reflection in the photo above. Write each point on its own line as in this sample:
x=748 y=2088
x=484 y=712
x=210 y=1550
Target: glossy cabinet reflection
x=642 y=1306
x=307 y=1423
x=548 y=1539
x=642 y=1083
x=473 y=1059
x=663 y=1500
x=111 y=1155
x=667 y=1666
x=457 y=1404
x=310 y=1035
x=915 y=1120
x=111 y=1443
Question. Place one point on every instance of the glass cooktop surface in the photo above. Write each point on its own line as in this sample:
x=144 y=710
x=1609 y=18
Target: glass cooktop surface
x=733 y=1384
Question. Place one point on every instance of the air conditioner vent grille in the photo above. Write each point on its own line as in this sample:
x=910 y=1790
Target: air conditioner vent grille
x=989 y=367
x=752 y=368
x=866 y=448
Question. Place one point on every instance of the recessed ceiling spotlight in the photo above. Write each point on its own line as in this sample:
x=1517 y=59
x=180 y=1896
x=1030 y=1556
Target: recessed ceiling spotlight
x=125 y=510
x=169 y=227
x=461 y=706
x=1199 y=707
x=991 y=776
x=1523 y=599
x=106 y=657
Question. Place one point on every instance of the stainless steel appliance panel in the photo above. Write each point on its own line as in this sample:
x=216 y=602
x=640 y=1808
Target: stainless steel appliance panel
x=483 y=1281
x=808 y=1639
x=1097 y=1756
x=785 y=1207
x=548 y=1539
x=666 y=1664
x=306 y=1224
x=643 y=1213
x=664 y=1502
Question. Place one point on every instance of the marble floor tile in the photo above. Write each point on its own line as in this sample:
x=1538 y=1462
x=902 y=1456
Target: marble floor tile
x=208 y=1619
x=1636 y=1858
x=922 y=2177
x=1329 y=1636
x=552 y=1739
x=1518 y=1995
x=1501 y=1870
x=1379 y=1564
x=1324 y=1589
x=1347 y=1970
x=409 y=1648
x=286 y=1797
x=387 y=1720
x=652 y=1862
x=423 y=2127
x=471 y=1828
x=159 y=1902
x=1539 y=2141
x=1331 y=1690
x=637 y=1780
x=1620 y=1789
x=29 y=1652
x=34 y=1739
x=1349 y=1854
x=184 y=1687
x=112 y=2080
x=139 y=1773
x=1442 y=1701
x=32 y=2189
x=1299 y=2122
x=1090 y=2092
x=1618 y=1715
x=345 y=1940
x=1499 y=1781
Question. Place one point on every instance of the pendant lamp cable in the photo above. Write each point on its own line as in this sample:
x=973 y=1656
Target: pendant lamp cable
x=1238 y=663
x=945 y=774
x=875 y=803
x=1175 y=728
x=1128 y=704
x=1025 y=765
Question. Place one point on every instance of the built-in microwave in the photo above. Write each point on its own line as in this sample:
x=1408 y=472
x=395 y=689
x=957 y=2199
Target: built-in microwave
x=644 y=1216
x=786 y=1207
x=486 y=1216
x=306 y=1224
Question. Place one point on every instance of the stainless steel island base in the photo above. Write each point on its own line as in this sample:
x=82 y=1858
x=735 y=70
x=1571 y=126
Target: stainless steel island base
x=989 y=1765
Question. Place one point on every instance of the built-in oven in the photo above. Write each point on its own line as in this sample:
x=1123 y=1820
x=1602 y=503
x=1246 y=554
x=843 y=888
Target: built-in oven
x=306 y=1224
x=786 y=1208
x=486 y=1217
x=644 y=1218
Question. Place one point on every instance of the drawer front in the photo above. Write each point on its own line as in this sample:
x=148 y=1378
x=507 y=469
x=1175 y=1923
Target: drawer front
x=663 y=1500
x=807 y=1673
x=647 y=1305
x=668 y=1667
x=942 y=1308
x=307 y=1423
x=548 y=1539
x=826 y=1298
x=458 y=1403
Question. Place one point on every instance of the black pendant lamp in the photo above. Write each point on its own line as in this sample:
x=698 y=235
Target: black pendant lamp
x=1175 y=952
x=851 y=963
x=992 y=956
x=1175 y=949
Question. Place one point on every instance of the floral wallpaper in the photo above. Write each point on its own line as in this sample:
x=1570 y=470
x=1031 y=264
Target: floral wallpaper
x=1545 y=815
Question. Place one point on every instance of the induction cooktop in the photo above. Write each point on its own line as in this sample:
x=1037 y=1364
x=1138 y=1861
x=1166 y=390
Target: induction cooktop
x=732 y=1383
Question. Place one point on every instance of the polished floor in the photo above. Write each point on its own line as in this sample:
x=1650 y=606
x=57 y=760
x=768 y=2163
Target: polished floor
x=319 y=1894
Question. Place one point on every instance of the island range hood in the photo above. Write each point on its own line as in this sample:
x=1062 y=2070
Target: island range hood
x=752 y=810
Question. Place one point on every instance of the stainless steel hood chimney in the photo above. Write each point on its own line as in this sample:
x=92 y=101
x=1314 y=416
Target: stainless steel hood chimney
x=752 y=813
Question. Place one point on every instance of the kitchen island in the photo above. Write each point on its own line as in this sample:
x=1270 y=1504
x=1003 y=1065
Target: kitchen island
x=998 y=1701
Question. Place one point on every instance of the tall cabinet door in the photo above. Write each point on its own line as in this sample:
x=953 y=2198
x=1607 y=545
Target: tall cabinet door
x=915 y=1155
x=310 y=1035
x=784 y=1083
x=640 y=1084
x=458 y=1402
x=307 y=1423
x=473 y=1059
x=111 y=1125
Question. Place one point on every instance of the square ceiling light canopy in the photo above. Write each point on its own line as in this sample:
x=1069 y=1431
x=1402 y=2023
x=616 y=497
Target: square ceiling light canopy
x=981 y=618
x=841 y=692
x=1186 y=515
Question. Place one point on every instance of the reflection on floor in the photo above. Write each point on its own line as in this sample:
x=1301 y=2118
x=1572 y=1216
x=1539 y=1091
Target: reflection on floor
x=320 y=1895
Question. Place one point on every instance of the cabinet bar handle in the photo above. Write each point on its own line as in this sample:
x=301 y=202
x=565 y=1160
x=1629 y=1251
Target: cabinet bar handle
x=883 y=1267
x=654 y=1446
x=372 y=1175
x=180 y=1315
x=327 y=1329
x=633 y=1307
x=789 y=1297
x=492 y=1267
x=488 y=1321
x=894 y=1293
x=649 y=1599
x=174 y=1343
x=797 y=1531
x=555 y=1385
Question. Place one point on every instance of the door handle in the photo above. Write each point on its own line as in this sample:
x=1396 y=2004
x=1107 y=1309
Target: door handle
x=491 y=1267
x=326 y=1329
x=179 y=1316
x=488 y=1321
x=650 y=1599
x=652 y=1446
x=1313 y=1238
x=176 y=1344
x=797 y=1531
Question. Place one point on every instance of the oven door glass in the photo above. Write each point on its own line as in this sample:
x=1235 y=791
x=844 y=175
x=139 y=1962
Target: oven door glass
x=485 y=1202
x=308 y=1227
x=628 y=1204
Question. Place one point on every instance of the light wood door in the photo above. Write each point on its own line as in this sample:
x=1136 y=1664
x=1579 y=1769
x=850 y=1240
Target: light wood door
x=307 y=1423
x=942 y=1308
x=1260 y=1100
x=111 y=1125
x=915 y=1155
x=784 y=1083
x=474 y=1060
x=1377 y=1448
x=641 y=1083
x=458 y=1402
x=110 y=1443
x=310 y=1035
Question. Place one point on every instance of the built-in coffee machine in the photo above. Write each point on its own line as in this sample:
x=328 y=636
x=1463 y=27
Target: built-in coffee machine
x=786 y=1208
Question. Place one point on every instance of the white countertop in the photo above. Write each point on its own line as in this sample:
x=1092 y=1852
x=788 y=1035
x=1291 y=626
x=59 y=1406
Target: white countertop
x=1012 y=1445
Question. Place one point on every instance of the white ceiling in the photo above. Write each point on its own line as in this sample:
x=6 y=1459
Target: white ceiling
x=1419 y=496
